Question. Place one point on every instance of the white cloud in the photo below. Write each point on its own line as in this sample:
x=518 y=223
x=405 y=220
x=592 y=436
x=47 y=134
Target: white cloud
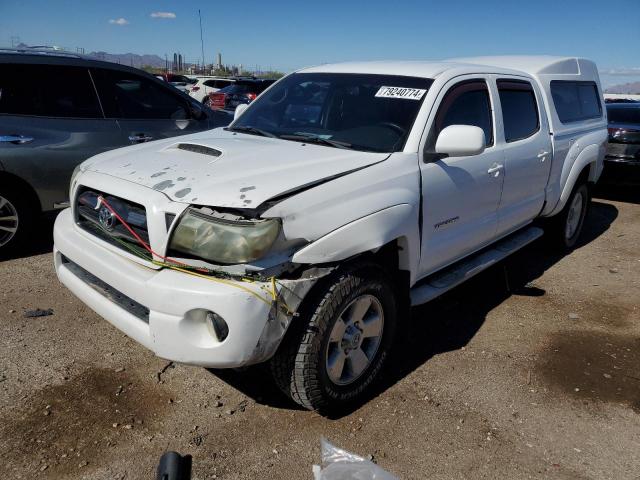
x=163 y=15
x=119 y=21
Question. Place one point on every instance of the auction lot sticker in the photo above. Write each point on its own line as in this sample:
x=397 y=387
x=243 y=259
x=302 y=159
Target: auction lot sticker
x=401 y=92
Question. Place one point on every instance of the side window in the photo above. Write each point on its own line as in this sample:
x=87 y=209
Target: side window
x=126 y=95
x=66 y=93
x=519 y=109
x=221 y=83
x=575 y=101
x=467 y=103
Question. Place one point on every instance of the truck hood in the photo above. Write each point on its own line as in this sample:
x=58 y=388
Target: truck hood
x=227 y=169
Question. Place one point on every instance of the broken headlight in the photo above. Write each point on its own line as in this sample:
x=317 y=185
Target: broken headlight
x=220 y=240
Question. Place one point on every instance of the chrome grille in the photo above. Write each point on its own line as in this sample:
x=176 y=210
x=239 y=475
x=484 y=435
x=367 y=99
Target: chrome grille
x=99 y=221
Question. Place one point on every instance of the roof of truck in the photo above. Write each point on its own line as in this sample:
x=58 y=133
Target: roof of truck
x=532 y=65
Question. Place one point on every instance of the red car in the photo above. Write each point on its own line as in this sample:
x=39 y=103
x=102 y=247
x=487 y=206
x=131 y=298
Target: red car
x=242 y=91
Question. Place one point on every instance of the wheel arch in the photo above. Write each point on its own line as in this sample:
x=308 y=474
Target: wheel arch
x=584 y=169
x=13 y=181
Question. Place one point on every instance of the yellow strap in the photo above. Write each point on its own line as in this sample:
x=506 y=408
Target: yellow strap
x=273 y=292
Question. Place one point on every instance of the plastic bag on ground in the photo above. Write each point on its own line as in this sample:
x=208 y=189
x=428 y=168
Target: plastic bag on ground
x=338 y=464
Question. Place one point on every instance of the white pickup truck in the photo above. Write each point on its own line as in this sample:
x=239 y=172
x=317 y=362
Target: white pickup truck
x=345 y=193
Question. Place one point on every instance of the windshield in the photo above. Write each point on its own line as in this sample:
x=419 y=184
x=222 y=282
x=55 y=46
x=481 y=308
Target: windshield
x=357 y=111
x=624 y=114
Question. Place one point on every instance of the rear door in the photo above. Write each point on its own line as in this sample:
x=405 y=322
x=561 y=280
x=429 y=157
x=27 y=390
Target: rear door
x=527 y=151
x=460 y=195
x=50 y=121
x=145 y=109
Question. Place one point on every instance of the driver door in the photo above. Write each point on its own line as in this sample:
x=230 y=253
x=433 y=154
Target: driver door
x=460 y=195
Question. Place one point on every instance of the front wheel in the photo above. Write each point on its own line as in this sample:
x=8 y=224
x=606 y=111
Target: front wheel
x=336 y=351
x=567 y=225
x=16 y=219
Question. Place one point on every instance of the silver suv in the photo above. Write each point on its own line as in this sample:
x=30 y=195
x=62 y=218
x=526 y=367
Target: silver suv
x=58 y=109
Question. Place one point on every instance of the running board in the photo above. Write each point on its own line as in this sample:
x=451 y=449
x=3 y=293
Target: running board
x=440 y=282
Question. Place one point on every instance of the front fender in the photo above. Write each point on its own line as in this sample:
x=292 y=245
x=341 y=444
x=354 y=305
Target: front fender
x=366 y=234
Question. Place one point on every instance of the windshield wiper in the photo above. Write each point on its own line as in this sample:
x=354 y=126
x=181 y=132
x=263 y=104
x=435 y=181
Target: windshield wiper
x=317 y=140
x=251 y=131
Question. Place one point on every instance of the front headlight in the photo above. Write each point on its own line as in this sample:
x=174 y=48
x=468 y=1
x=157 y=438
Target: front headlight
x=223 y=241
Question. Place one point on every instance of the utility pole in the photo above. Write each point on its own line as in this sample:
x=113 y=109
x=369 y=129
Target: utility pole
x=201 y=39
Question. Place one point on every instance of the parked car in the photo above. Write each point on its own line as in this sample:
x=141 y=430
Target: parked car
x=83 y=107
x=181 y=82
x=624 y=133
x=207 y=85
x=239 y=93
x=301 y=233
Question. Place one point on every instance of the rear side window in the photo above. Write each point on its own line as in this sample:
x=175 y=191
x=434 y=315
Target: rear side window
x=221 y=83
x=47 y=91
x=126 y=95
x=519 y=109
x=467 y=103
x=575 y=101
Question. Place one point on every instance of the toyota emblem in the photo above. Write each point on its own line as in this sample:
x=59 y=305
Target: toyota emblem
x=106 y=218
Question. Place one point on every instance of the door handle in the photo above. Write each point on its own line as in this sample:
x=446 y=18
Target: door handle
x=139 y=138
x=495 y=169
x=16 y=139
x=543 y=155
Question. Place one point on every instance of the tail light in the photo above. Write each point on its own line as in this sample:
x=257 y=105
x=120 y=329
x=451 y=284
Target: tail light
x=217 y=100
x=195 y=89
x=251 y=96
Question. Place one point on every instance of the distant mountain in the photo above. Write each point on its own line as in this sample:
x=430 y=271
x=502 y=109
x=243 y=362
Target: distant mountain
x=631 y=88
x=130 y=59
x=123 y=58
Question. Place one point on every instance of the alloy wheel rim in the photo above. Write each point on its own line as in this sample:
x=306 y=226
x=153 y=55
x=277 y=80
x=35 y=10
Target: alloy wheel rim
x=573 y=217
x=354 y=340
x=8 y=221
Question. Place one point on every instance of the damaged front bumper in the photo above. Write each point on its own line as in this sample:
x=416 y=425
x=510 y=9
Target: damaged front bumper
x=166 y=310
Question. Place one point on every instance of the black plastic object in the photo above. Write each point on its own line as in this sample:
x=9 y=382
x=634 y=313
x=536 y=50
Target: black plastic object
x=174 y=466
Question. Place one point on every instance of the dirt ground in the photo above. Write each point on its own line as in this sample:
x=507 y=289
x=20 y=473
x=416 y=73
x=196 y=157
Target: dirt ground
x=531 y=370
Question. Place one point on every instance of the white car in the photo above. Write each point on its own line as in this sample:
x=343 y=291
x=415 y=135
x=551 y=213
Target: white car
x=341 y=196
x=206 y=85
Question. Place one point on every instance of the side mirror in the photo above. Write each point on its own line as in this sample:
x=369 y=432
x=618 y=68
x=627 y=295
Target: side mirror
x=239 y=109
x=460 y=141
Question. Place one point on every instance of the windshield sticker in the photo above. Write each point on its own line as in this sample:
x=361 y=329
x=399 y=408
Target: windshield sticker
x=401 y=92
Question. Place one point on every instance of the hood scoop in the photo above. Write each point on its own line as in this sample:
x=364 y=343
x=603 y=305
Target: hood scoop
x=201 y=149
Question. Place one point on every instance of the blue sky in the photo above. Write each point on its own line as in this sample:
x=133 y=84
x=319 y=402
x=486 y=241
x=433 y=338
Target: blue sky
x=288 y=35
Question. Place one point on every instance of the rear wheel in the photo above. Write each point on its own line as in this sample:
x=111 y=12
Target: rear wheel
x=567 y=225
x=16 y=218
x=337 y=347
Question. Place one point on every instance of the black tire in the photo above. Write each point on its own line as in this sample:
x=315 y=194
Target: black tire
x=299 y=367
x=559 y=234
x=14 y=202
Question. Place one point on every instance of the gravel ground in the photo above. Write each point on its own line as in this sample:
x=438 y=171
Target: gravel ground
x=531 y=370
